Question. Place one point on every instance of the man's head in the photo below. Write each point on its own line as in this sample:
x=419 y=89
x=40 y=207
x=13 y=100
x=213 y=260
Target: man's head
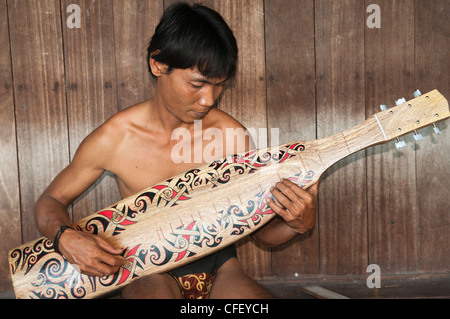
x=197 y=37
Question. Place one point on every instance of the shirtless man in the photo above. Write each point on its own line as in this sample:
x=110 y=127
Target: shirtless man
x=192 y=55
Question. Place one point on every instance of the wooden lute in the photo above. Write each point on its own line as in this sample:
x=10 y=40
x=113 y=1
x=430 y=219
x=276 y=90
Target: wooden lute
x=201 y=211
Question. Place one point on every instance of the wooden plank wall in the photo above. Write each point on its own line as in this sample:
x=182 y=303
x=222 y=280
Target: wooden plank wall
x=311 y=68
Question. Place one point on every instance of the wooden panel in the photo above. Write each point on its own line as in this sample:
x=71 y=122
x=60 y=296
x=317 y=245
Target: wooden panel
x=10 y=224
x=290 y=71
x=134 y=25
x=340 y=105
x=391 y=177
x=393 y=214
x=246 y=100
x=92 y=91
x=433 y=161
x=38 y=72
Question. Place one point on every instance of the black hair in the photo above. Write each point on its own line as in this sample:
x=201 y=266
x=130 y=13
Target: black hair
x=195 y=36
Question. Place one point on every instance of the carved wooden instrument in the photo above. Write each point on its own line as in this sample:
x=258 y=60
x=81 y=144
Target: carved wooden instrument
x=196 y=213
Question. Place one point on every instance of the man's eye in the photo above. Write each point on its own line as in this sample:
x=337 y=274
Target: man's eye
x=196 y=86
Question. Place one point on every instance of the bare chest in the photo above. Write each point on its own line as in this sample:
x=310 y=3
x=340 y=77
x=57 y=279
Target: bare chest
x=141 y=164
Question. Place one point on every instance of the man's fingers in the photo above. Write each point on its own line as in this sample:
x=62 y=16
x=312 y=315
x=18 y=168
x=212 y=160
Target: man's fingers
x=313 y=190
x=107 y=260
x=105 y=269
x=101 y=265
x=92 y=255
x=276 y=207
x=108 y=247
x=281 y=198
x=281 y=205
x=111 y=260
x=295 y=205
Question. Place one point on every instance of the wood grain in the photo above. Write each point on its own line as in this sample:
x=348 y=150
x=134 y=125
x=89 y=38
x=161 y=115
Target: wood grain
x=340 y=103
x=91 y=89
x=390 y=172
x=10 y=223
x=290 y=68
x=39 y=93
x=134 y=24
x=432 y=64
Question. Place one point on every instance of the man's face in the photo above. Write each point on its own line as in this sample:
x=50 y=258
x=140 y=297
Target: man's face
x=189 y=95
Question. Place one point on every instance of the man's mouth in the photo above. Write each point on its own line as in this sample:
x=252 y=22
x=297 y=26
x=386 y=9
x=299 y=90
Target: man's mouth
x=200 y=114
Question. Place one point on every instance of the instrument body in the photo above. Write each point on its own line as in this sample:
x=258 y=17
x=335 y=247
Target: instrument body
x=201 y=211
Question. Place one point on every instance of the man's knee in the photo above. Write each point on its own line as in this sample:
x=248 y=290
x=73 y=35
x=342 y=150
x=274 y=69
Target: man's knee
x=231 y=282
x=160 y=286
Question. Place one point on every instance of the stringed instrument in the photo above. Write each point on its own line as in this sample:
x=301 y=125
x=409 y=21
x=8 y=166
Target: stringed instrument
x=201 y=211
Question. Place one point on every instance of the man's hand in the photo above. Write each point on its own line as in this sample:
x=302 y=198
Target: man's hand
x=299 y=205
x=90 y=254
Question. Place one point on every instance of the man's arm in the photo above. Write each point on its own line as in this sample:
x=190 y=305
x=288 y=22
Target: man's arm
x=90 y=253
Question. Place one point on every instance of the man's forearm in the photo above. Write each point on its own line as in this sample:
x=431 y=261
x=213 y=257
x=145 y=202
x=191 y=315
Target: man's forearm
x=275 y=233
x=50 y=215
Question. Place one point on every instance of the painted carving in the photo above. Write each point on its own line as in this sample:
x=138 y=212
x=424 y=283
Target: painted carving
x=58 y=279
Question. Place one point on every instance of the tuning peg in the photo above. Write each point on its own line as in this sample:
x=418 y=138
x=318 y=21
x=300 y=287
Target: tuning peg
x=383 y=107
x=417 y=94
x=417 y=136
x=436 y=129
x=400 y=143
x=400 y=102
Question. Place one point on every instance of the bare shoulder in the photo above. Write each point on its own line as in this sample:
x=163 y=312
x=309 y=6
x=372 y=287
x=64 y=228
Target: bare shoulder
x=101 y=145
x=236 y=137
x=221 y=120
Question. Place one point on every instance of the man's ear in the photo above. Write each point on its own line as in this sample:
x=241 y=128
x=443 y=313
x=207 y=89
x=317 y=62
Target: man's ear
x=157 y=68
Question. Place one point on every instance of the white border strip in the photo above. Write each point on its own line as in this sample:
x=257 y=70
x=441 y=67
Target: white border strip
x=381 y=127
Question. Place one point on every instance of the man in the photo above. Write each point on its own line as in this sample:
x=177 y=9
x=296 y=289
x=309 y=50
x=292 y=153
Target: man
x=193 y=54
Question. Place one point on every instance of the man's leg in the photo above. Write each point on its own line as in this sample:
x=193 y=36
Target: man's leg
x=232 y=283
x=160 y=286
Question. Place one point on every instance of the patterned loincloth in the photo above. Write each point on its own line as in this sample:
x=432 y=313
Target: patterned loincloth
x=195 y=286
x=195 y=279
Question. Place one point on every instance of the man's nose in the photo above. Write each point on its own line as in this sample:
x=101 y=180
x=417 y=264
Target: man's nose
x=209 y=95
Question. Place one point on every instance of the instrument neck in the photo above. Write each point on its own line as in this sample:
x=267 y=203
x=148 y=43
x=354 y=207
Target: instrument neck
x=320 y=154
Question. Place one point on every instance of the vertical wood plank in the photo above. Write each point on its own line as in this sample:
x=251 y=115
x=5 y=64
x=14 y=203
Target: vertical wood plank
x=246 y=100
x=289 y=37
x=10 y=224
x=38 y=72
x=391 y=179
x=340 y=105
x=432 y=39
x=91 y=89
x=134 y=24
